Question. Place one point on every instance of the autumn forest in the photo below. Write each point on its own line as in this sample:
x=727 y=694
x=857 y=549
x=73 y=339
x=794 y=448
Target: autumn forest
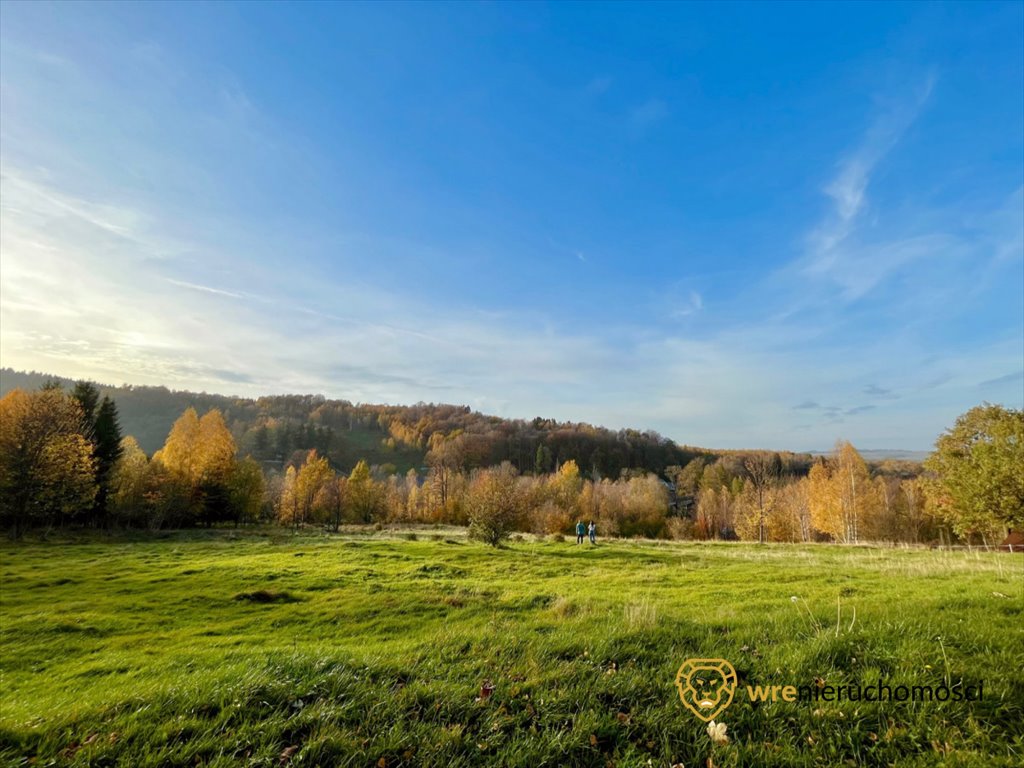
x=67 y=459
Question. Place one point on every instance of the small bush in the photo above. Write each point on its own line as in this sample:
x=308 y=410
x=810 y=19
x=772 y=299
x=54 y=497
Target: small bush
x=681 y=529
x=494 y=503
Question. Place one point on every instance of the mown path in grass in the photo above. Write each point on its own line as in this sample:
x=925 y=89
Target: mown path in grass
x=267 y=648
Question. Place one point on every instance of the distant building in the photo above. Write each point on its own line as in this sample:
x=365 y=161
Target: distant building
x=1014 y=542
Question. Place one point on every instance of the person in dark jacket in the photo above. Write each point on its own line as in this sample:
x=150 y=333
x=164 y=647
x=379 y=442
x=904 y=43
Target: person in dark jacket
x=581 y=531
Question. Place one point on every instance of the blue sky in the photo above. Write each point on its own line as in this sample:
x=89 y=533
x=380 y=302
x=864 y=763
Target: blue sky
x=740 y=225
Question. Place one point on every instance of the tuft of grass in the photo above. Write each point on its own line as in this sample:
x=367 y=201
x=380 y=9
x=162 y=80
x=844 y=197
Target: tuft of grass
x=564 y=608
x=640 y=615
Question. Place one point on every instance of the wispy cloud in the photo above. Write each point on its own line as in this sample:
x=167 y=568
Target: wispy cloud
x=1009 y=378
x=647 y=114
x=873 y=390
x=859 y=409
x=204 y=288
x=78 y=300
x=567 y=250
x=121 y=222
x=692 y=304
x=848 y=188
x=597 y=86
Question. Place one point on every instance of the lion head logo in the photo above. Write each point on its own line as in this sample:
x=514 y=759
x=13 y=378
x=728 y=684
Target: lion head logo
x=706 y=686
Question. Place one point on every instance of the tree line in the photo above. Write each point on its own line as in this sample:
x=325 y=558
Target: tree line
x=63 y=460
x=970 y=488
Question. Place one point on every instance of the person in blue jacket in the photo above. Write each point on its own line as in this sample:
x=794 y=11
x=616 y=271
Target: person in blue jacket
x=581 y=531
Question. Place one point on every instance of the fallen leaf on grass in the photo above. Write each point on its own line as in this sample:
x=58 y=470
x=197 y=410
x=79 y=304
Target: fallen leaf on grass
x=70 y=750
x=486 y=689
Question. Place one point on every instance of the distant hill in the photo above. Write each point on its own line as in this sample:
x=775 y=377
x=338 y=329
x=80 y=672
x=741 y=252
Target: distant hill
x=879 y=455
x=273 y=429
x=896 y=455
x=147 y=413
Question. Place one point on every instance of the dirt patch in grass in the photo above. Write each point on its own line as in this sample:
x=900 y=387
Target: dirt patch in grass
x=438 y=570
x=266 y=596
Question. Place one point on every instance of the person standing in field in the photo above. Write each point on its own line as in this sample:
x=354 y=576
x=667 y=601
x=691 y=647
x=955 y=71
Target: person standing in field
x=593 y=532
x=580 y=531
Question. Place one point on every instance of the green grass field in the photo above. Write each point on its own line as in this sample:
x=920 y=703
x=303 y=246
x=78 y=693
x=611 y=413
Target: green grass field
x=369 y=649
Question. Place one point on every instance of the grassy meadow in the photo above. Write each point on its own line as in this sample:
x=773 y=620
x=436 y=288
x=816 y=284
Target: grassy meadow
x=266 y=648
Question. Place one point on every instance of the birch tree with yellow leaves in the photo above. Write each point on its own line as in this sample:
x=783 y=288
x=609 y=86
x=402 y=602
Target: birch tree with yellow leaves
x=200 y=455
x=841 y=496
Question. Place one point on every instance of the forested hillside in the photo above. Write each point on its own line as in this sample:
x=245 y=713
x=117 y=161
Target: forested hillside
x=273 y=429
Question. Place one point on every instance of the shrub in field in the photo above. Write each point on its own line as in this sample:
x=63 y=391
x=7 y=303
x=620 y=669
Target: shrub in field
x=493 y=502
x=680 y=528
x=548 y=517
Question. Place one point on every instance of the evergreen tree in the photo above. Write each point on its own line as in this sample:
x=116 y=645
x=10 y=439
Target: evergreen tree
x=284 y=441
x=100 y=426
x=262 y=441
x=107 y=449
x=88 y=398
x=542 y=464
